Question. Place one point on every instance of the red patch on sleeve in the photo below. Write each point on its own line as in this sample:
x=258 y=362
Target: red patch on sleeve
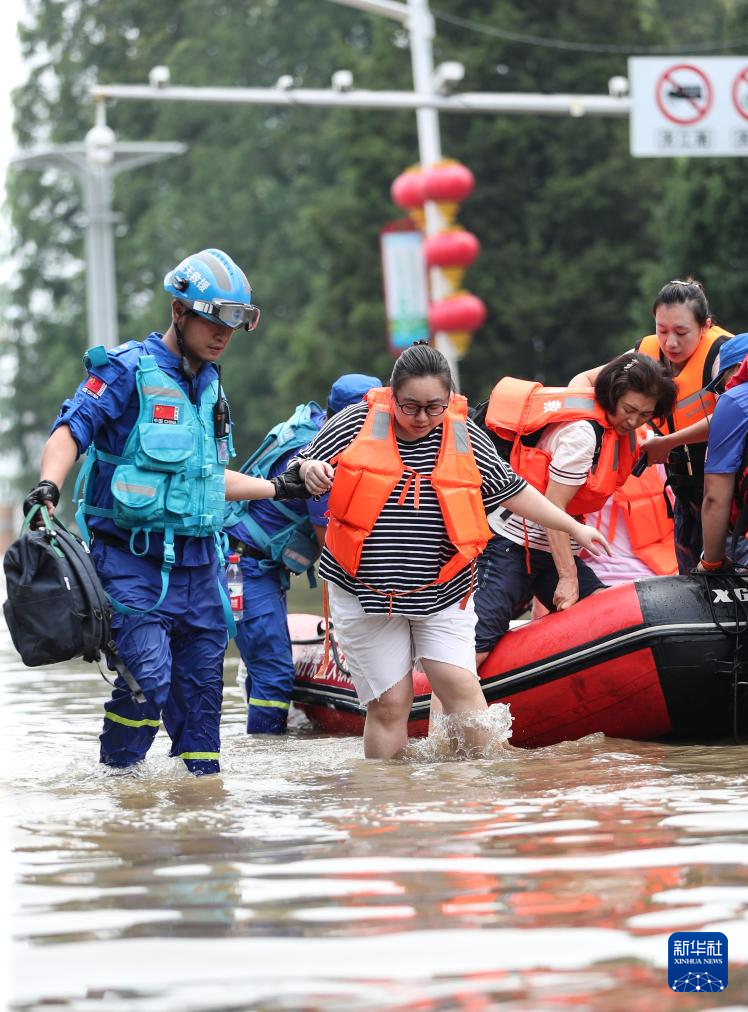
x=94 y=386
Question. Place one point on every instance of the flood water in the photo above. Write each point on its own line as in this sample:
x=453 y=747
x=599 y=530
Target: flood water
x=304 y=877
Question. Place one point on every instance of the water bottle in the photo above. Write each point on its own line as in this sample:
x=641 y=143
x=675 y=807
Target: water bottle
x=236 y=588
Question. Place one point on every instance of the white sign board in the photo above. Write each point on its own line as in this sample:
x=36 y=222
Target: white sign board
x=405 y=287
x=688 y=105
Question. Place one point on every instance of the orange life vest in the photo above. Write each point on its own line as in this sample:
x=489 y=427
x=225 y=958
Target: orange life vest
x=369 y=469
x=517 y=409
x=693 y=403
x=641 y=504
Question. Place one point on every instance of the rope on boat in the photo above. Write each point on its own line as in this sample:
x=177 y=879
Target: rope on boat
x=333 y=647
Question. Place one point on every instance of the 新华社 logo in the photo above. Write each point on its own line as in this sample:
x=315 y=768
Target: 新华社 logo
x=697 y=961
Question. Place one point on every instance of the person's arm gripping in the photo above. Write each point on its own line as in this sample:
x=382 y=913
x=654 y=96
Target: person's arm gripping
x=573 y=449
x=724 y=454
x=588 y=377
x=58 y=456
x=715 y=516
x=567 y=589
x=657 y=448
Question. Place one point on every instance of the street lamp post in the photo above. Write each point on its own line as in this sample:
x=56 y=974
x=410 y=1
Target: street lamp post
x=420 y=25
x=417 y=18
x=95 y=163
x=429 y=97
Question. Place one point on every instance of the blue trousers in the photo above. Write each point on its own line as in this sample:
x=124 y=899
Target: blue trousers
x=176 y=654
x=689 y=541
x=265 y=646
x=505 y=588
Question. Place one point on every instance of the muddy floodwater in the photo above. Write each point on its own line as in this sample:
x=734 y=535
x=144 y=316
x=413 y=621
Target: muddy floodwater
x=305 y=877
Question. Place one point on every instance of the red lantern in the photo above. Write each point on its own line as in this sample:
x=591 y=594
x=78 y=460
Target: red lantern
x=407 y=190
x=450 y=182
x=454 y=248
x=463 y=312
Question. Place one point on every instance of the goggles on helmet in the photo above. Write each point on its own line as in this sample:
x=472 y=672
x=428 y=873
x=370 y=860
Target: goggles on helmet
x=230 y=314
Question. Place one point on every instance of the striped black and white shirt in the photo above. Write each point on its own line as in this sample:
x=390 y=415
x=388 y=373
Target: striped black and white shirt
x=408 y=545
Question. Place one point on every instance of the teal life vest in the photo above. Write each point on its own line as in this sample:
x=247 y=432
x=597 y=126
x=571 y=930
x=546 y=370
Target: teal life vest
x=170 y=477
x=293 y=548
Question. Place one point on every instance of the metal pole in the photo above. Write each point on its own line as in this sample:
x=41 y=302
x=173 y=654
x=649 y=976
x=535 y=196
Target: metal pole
x=420 y=26
x=101 y=286
x=95 y=163
x=508 y=103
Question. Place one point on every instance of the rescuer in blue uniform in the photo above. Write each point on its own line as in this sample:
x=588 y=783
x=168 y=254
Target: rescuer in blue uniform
x=274 y=541
x=154 y=420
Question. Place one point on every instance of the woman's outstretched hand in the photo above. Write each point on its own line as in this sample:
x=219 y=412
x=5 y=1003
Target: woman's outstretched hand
x=590 y=538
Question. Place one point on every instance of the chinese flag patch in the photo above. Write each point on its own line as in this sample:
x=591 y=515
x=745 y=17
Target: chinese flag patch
x=167 y=414
x=94 y=386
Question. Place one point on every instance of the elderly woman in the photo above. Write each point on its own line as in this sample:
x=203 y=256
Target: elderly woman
x=578 y=464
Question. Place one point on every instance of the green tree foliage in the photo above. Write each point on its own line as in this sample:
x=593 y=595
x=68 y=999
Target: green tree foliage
x=573 y=244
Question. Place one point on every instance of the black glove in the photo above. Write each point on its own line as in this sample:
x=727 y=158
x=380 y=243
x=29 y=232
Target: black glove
x=289 y=485
x=45 y=491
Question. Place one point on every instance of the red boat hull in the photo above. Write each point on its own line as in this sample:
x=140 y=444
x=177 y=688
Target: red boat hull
x=648 y=660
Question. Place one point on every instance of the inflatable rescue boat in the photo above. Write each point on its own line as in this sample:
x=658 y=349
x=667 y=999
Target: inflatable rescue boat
x=663 y=658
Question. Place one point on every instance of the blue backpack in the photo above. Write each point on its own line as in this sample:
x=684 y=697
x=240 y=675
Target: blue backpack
x=294 y=547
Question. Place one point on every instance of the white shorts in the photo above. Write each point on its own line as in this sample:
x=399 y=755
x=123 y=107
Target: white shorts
x=381 y=649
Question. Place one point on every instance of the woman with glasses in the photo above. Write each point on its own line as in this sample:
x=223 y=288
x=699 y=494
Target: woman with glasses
x=411 y=477
x=579 y=463
x=687 y=341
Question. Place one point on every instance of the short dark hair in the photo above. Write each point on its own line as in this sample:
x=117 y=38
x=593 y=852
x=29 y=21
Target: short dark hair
x=421 y=359
x=634 y=371
x=685 y=293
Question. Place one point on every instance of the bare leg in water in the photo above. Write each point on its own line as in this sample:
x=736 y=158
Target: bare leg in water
x=457 y=690
x=386 y=727
x=436 y=709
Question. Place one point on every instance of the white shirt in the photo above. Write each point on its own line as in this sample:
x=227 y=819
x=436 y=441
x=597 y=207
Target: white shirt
x=572 y=448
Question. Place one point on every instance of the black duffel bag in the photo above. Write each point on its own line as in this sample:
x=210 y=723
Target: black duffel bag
x=57 y=608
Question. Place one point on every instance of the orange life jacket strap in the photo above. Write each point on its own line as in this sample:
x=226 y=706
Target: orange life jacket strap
x=416 y=491
x=614 y=510
x=466 y=598
x=528 y=566
x=392 y=594
x=322 y=667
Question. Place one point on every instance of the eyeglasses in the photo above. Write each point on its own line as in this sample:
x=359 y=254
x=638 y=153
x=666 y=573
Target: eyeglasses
x=433 y=410
x=230 y=314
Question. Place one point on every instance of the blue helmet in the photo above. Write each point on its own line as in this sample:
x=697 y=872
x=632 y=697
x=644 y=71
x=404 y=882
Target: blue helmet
x=349 y=389
x=212 y=285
